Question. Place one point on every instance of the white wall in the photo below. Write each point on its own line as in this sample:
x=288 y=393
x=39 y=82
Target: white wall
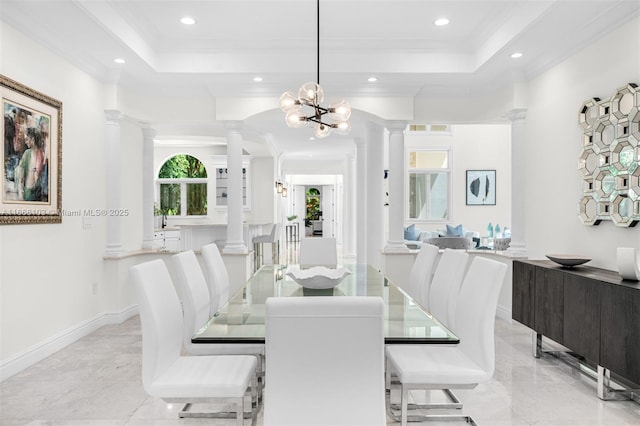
x=47 y=271
x=553 y=146
x=473 y=147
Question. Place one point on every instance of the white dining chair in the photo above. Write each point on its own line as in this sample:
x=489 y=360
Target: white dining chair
x=322 y=251
x=324 y=361
x=272 y=238
x=421 y=274
x=445 y=286
x=183 y=379
x=217 y=277
x=195 y=305
x=461 y=366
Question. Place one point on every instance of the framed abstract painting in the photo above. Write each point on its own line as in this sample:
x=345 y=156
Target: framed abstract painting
x=481 y=187
x=31 y=155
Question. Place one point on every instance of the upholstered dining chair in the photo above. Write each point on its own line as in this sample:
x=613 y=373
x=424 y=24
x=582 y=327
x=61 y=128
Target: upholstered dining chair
x=217 y=277
x=183 y=379
x=321 y=251
x=272 y=238
x=195 y=305
x=324 y=361
x=462 y=366
x=445 y=286
x=421 y=274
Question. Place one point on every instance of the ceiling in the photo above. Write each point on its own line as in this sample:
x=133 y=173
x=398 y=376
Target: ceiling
x=234 y=41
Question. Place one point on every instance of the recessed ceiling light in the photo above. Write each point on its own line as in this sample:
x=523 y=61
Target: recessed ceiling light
x=257 y=79
x=187 y=20
x=119 y=61
x=311 y=139
x=441 y=21
x=516 y=55
x=372 y=79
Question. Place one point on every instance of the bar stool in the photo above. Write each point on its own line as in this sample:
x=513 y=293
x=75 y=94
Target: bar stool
x=274 y=239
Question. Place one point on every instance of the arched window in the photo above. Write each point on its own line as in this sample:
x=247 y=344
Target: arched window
x=182 y=185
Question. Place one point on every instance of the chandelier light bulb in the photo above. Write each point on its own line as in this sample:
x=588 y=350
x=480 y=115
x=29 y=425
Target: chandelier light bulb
x=322 y=130
x=288 y=102
x=340 y=111
x=311 y=93
x=295 y=119
x=343 y=127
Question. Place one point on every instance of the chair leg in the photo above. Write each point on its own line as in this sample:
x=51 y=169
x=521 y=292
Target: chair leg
x=404 y=400
x=240 y=411
x=404 y=417
x=187 y=413
x=455 y=403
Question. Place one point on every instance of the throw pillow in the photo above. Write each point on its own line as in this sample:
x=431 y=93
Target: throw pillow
x=455 y=231
x=410 y=233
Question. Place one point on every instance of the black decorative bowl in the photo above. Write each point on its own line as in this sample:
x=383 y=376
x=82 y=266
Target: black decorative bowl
x=567 y=260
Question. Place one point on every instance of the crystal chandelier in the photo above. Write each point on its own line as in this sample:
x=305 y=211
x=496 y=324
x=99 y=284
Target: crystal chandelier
x=304 y=110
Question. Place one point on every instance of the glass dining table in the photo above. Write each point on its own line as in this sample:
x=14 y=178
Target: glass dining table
x=242 y=319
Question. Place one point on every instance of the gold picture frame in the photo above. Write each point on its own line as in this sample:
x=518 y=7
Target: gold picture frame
x=31 y=155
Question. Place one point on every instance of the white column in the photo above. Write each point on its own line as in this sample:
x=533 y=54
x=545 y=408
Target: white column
x=396 y=187
x=361 y=200
x=375 y=199
x=114 y=196
x=518 y=181
x=235 y=240
x=349 y=207
x=148 y=179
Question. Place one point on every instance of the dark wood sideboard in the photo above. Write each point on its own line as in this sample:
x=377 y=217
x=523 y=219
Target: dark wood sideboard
x=591 y=311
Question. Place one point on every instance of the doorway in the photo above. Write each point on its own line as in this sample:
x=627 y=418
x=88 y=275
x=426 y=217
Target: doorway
x=313 y=217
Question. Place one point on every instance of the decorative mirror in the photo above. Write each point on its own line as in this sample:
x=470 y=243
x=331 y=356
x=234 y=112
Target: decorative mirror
x=609 y=164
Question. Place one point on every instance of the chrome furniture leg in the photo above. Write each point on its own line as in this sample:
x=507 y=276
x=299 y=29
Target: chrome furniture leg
x=537 y=345
x=240 y=415
x=453 y=404
x=609 y=391
x=404 y=416
x=604 y=382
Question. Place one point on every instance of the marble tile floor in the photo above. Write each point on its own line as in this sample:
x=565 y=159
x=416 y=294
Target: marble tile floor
x=96 y=381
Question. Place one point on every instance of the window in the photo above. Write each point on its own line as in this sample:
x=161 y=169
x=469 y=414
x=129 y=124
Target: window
x=182 y=185
x=429 y=185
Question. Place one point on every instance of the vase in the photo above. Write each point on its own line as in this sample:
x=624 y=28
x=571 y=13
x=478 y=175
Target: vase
x=628 y=264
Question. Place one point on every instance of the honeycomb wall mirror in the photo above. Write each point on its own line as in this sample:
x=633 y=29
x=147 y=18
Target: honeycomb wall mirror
x=609 y=164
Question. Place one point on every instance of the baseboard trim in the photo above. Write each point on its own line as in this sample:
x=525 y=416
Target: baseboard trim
x=503 y=313
x=51 y=345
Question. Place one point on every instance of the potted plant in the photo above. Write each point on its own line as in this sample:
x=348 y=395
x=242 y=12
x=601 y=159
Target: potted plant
x=159 y=217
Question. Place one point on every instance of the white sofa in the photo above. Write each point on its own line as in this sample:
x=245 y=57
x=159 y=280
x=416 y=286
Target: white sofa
x=414 y=238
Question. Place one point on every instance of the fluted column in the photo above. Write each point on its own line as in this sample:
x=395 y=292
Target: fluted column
x=148 y=179
x=114 y=193
x=395 y=242
x=375 y=200
x=361 y=200
x=235 y=241
x=518 y=181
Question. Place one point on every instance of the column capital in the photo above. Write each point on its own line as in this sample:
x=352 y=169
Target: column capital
x=517 y=114
x=395 y=126
x=360 y=141
x=113 y=116
x=148 y=133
